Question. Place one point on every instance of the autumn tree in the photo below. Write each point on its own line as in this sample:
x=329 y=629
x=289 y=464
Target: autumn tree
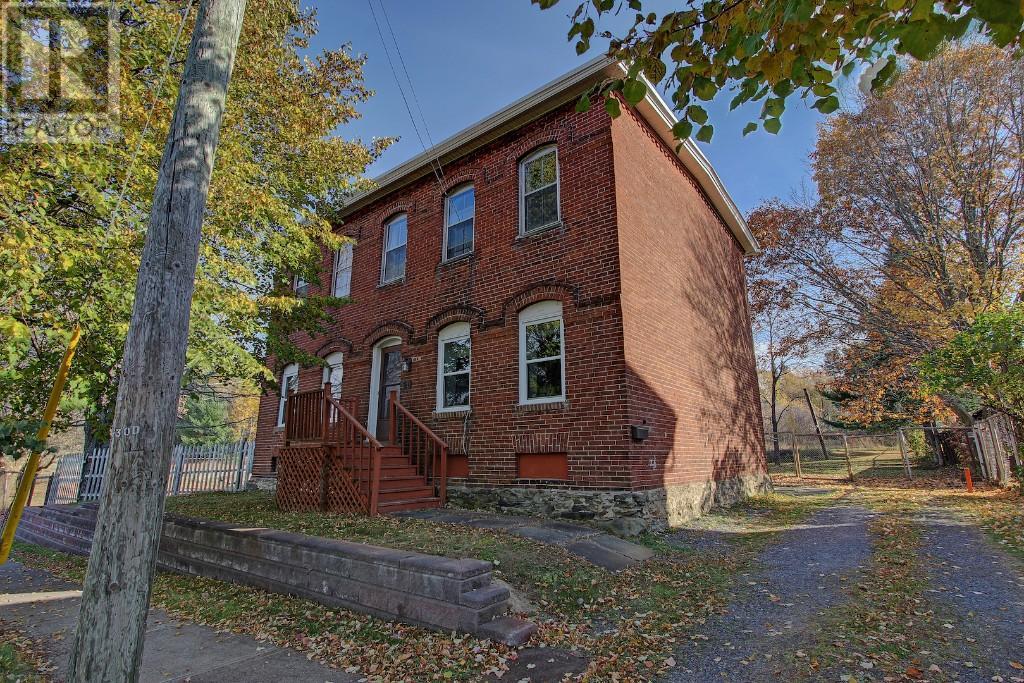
x=917 y=228
x=784 y=333
x=70 y=244
x=770 y=52
x=985 y=360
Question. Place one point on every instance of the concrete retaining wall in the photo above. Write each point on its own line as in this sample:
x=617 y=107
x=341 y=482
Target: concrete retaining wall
x=427 y=590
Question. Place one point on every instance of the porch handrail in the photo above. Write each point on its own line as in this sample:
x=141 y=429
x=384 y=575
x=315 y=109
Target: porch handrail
x=356 y=444
x=303 y=415
x=415 y=443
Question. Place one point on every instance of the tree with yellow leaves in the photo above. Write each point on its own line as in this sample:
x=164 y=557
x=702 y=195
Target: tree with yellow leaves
x=69 y=243
x=919 y=221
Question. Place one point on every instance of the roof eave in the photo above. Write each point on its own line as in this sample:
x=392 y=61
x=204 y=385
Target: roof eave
x=544 y=99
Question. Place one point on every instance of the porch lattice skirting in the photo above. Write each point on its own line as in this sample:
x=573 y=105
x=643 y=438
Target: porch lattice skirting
x=431 y=591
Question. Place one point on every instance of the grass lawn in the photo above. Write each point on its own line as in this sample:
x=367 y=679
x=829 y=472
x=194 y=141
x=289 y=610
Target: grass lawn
x=20 y=661
x=628 y=624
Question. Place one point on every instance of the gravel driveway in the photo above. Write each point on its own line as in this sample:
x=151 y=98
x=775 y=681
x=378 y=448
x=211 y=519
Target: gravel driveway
x=982 y=589
x=778 y=601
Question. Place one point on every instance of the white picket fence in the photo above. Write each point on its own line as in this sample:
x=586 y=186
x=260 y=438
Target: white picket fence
x=194 y=469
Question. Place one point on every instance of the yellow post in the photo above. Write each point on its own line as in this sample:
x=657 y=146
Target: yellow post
x=29 y=475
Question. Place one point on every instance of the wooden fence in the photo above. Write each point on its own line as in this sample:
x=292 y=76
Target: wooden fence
x=194 y=469
x=990 y=446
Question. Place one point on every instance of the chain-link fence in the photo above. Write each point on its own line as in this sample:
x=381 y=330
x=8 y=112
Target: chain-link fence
x=849 y=456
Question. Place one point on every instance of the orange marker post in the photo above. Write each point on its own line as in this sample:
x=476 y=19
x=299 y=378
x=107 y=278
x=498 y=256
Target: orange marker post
x=967 y=478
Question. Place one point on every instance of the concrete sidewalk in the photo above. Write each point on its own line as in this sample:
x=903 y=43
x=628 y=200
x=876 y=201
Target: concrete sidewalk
x=597 y=547
x=44 y=608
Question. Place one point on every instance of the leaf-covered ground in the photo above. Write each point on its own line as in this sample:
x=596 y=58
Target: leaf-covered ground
x=628 y=625
x=639 y=624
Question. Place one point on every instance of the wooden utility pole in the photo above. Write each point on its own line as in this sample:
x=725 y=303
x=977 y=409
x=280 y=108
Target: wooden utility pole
x=817 y=427
x=115 y=597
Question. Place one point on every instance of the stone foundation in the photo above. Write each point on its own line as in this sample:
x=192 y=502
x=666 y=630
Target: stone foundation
x=268 y=484
x=627 y=513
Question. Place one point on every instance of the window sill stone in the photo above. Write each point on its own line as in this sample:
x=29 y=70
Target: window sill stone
x=391 y=283
x=552 y=407
x=451 y=414
x=525 y=237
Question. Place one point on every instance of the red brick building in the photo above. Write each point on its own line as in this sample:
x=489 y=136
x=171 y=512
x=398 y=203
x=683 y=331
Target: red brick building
x=561 y=297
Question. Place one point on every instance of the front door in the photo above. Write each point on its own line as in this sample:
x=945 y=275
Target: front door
x=390 y=383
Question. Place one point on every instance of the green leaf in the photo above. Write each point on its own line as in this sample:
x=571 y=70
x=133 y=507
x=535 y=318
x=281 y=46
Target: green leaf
x=697 y=113
x=704 y=88
x=774 y=107
x=827 y=105
x=783 y=88
x=611 y=105
x=773 y=126
x=749 y=128
x=583 y=105
x=705 y=133
x=682 y=129
x=634 y=91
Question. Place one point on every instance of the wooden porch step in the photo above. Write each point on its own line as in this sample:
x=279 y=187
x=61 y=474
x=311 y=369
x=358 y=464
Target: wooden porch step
x=388 y=506
x=400 y=482
x=406 y=492
x=403 y=470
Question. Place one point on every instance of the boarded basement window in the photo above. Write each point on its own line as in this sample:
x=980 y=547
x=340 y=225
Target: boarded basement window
x=458 y=466
x=543 y=466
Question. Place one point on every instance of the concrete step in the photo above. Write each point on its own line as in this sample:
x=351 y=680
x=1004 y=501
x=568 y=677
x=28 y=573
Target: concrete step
x=47 y=527
x=509 y=630
x=486 y=596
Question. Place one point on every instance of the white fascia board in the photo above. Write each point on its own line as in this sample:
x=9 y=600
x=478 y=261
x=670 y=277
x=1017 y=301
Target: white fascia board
x=542 y=100
x=653 y=108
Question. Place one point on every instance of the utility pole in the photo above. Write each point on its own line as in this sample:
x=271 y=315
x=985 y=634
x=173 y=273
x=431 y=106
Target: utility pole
x=817 y=427
x=115 y=597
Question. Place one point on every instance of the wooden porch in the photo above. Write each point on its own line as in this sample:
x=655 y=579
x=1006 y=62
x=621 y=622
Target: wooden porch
x=330 y=462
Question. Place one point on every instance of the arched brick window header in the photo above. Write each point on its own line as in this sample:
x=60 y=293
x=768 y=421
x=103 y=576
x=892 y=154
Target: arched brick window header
x=553 y=291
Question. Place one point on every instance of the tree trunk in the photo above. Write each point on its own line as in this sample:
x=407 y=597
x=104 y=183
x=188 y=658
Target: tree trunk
x=115 y=597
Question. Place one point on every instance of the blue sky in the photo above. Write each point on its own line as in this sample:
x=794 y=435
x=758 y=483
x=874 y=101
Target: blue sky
x=469 y=58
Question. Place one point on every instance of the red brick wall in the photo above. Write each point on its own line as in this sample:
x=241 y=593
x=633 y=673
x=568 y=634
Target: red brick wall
x=576 y=263
x=689 y=352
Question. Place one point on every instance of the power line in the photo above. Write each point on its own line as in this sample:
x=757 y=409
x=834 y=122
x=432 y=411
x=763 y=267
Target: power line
x=438 y=172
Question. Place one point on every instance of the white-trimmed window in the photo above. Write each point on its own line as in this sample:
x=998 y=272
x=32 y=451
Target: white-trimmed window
x=541 y=353
x=300 y=286
x=453 y=367
x=289 y=385
x=539 y=205
x=459 y=216
x=342 y=277
x=393 y=261
x=334 y=372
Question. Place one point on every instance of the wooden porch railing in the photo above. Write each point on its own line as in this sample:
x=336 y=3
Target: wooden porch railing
x=349 y=458
x=303 y=419
x=428 y=451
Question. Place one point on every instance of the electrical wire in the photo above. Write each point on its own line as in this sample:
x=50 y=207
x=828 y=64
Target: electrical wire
x=435 y=164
